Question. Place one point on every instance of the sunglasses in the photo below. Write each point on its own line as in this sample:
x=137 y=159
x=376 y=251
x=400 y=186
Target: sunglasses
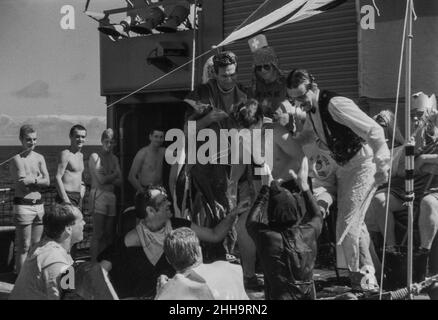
x=267 y=67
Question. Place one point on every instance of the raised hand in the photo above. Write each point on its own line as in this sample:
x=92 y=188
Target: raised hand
x=266 y=175
x=302 y=176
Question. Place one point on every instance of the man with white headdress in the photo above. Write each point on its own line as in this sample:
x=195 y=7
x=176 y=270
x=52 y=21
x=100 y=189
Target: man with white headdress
x=424 y=121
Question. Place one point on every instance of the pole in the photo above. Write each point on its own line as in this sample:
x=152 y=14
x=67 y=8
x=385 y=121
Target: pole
x=409 y=163
x=195 y=11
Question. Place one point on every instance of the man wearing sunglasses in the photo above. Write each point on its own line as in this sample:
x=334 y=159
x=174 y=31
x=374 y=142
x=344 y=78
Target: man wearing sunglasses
x=269 y=81
x=136 y=260
x=357 y=144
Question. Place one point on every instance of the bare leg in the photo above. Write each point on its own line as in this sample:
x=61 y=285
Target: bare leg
x=37 y=231
x=378 y=210
x=428 y=220
x=22 y=245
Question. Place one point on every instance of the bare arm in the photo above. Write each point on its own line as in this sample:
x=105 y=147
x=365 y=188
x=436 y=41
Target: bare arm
x=20 y=172
x=135 y=169
x=216 y=234
x=95 y=167
x=44 y=180
x=290 y=146
x=307 y=135
x=62 y=165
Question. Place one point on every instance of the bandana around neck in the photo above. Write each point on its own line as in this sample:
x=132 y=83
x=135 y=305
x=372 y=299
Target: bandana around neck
x=153 y=242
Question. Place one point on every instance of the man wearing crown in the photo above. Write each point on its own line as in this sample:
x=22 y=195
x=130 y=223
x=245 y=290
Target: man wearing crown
x=424 y=119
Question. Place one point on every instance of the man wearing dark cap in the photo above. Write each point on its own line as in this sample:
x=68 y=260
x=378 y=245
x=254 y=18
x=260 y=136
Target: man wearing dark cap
x=287 y=244
x=269 y=86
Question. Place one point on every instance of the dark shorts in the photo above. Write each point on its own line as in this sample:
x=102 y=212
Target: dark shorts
x=74 y=197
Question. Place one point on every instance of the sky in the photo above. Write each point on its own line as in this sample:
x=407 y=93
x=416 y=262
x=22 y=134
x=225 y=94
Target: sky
x=45 y=69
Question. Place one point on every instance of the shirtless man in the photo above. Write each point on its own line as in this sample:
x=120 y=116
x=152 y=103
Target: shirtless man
x=70 y=168
x=29 y=173
x=105 y=174
x=147 y=167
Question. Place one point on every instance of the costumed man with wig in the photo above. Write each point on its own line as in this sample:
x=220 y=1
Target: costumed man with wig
x=357 y=144
x=210 y=106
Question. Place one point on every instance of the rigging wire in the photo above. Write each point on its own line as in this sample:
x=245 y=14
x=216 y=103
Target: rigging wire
x=18 y=154
x=183 y=65
x=392 y=149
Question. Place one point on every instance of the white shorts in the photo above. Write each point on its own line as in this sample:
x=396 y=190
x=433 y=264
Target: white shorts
x=103 y=202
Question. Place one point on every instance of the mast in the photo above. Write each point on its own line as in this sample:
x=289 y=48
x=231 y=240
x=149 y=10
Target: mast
x=409 y=163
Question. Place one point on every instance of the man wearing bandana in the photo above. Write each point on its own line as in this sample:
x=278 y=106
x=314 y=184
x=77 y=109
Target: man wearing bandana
x=357 y=144
x=136 y=260
x=211 y=104
x=287 y=244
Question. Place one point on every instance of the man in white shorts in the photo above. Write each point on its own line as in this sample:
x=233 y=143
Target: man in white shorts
x=29 y=173
x=105 y=174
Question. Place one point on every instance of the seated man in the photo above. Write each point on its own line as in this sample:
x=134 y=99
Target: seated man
x=136 y=260
x=41 y=274
x=195 y=280
x=425 y=188
x=287 y=245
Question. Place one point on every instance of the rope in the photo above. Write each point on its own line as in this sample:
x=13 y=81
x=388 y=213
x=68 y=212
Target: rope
x=18 y=154
x=159 y=78
x=377 y=9
x=392 y=151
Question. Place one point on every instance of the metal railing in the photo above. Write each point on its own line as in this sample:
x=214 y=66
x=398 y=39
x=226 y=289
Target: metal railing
x=48 y=195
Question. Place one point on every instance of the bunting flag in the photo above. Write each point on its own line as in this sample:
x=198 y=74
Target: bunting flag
x=272 y=14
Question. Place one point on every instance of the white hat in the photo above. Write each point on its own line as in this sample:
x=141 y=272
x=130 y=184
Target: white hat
x=420 y=101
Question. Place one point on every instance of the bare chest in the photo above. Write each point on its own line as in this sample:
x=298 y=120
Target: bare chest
x=152 y=161
x=75 y=163
x=31 y=165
